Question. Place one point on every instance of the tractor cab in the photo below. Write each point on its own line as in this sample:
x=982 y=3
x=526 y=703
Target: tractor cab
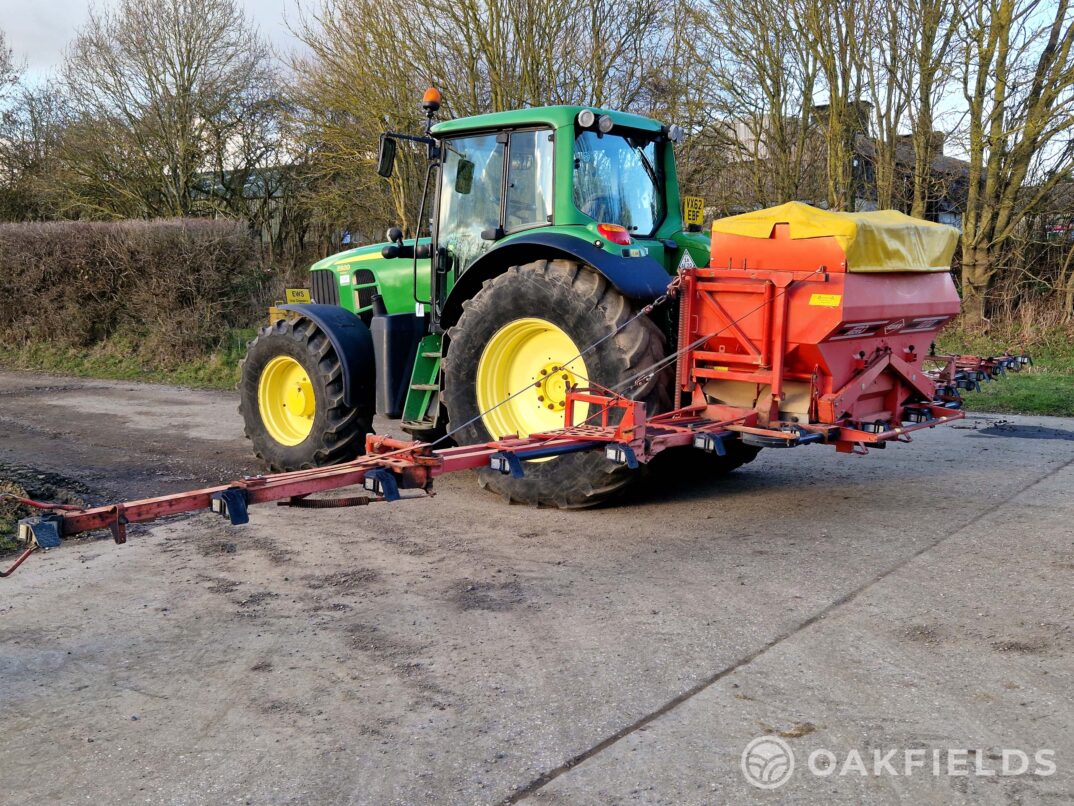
x=501 y=183
x=567 y=175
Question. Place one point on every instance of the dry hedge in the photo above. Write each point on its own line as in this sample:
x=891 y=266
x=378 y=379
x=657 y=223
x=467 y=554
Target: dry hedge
x=178 y=285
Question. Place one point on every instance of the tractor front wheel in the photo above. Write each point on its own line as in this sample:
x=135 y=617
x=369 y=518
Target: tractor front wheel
x=292 y=399
x=517 y=349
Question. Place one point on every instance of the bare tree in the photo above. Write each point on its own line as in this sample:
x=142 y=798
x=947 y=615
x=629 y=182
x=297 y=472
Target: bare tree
x=1065 y=282
x=885 y=64
x=356 y=80
x=368 y=64
x=496 y=55
x=9 y=74
x=837 y=31
x=1018 y=82
x=157 y=88
x=30 y=173
x=930 y=30
x=763 y=76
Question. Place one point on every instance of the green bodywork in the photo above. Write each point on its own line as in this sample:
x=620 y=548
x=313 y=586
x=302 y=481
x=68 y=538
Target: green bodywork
x=402 y=282
x=394 y=278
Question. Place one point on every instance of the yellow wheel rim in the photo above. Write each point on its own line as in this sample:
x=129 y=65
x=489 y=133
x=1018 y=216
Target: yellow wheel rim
x=528 y=355
x=286 y=400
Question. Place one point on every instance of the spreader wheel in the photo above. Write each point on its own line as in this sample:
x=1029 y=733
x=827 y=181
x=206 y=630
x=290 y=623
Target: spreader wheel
x=738 y=454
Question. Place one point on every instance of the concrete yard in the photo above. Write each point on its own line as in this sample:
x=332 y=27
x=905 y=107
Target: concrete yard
x=460 y=650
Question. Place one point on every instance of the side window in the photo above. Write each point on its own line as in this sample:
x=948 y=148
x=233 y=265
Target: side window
x=529 y=179
x=469 y=197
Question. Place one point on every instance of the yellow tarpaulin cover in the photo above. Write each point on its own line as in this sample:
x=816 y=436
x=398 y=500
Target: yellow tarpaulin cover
x=885 y=240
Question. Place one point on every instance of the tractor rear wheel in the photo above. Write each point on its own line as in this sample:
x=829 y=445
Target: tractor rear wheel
x=512 y=357
x=292 y=399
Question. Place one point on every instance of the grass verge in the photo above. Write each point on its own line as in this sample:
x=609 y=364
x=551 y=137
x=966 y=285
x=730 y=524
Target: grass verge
x=1047 y=387
x=119 y=358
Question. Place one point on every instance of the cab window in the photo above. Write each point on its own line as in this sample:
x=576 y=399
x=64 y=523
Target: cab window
x=529 y=179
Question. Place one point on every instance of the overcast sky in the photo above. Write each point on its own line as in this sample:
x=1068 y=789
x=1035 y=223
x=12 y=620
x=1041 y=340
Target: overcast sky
x=39 y=30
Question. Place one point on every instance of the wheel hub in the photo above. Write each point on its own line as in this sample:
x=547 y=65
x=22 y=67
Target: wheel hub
x=552 y=384
x=286 y=400
x=299 y=398
x=523 y=377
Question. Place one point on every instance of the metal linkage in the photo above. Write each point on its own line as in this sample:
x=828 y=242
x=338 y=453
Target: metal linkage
x=615 y=424
x=389 y=467
x=967 y=372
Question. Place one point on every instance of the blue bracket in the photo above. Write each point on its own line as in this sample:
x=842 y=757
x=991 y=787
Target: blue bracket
x=711 y=443
x=231 y=503
x=621 y=454
x=382 y=482
x=507 y=462
x=44 y=530
x=555 y=450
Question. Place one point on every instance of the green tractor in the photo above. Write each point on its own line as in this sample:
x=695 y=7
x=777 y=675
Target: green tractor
x=550 y=229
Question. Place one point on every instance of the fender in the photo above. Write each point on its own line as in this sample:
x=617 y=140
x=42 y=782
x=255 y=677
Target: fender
x=354 y=346
x=641 y=278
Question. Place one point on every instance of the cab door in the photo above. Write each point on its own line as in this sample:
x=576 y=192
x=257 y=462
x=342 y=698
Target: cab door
x=469 y=208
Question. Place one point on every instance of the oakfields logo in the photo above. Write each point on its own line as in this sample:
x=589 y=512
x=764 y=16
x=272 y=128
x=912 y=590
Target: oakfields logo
x=768 y=762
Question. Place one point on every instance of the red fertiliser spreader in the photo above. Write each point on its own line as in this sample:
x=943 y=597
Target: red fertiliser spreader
x=806 y=327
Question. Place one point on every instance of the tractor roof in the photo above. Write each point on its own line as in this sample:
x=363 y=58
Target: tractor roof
x=554 y=116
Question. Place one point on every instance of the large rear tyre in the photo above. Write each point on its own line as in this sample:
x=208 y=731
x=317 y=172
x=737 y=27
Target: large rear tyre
x=292 y=399
x=519 y=334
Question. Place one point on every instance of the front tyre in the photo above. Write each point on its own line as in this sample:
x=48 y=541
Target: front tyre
x=291 y=399
x=521 y=334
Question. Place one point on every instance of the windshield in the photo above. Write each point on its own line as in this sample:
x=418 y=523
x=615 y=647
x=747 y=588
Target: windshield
x=617 y=180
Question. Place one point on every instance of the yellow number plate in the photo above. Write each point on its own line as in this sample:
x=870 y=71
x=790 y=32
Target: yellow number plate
x=693 y=210
x=826 y=300
x=295 y=295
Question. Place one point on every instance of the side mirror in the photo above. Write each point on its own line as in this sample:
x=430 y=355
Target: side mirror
x=464 y=177
x=386 y=158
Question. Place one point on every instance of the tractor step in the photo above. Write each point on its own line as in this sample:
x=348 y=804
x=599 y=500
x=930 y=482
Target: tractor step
x=422 y=407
